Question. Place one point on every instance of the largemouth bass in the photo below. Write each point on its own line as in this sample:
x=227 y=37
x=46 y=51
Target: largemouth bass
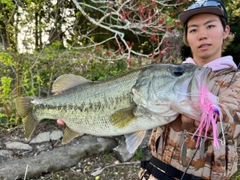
x=127 y=104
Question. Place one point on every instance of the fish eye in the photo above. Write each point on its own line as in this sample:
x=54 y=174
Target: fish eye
x=178 y=71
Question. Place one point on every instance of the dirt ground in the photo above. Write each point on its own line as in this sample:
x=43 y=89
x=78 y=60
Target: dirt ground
x=113 y=169
x=107 y=162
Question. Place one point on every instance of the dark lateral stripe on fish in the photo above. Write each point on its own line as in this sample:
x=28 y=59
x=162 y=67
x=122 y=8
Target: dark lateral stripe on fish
x=86 y=107
x=82 y=108
x=59 y=107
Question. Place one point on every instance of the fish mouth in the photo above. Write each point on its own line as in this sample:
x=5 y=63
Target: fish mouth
x=189 y=93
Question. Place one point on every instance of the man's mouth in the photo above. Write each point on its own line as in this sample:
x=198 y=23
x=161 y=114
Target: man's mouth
x=204 y=46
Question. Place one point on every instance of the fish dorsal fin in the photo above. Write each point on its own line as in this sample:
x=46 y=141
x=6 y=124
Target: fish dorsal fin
x=69 y=135
x=67 y=81
x=122 y=118
x=134 y=140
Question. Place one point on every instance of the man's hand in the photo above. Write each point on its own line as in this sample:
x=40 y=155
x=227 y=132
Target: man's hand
x=61 y=122
x=184 y=123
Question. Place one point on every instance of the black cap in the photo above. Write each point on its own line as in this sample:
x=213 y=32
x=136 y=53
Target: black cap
x=204 y=6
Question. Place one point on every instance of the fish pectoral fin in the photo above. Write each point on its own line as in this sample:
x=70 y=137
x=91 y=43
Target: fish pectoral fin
x=67 y=81
x=134 y=140
x=122 y=118
x=69 y=135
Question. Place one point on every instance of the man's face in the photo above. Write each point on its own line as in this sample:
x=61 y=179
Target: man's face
x=205 y=35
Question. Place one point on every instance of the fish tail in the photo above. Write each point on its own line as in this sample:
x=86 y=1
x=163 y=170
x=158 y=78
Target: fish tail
x=25 y=110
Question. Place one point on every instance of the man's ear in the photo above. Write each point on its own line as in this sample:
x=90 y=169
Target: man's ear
x=226 y=32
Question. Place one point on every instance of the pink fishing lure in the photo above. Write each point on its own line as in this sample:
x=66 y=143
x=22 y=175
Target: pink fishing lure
x=210 y=113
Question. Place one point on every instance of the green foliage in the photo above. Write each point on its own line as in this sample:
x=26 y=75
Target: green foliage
x=7 y=115
x=234 y=48
x=6 y=59
x=5 y=89
x=233 y=8
x=139 y=153
x=107 y=157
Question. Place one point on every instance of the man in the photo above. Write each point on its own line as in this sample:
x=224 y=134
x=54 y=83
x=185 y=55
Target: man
x=176 y=154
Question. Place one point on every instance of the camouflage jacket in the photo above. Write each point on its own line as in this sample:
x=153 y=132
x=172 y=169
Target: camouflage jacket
x=216 y=164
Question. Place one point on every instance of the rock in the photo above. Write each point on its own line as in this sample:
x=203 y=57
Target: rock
x=54 y=160
x=18 y=145
x=121 y=150
x=101 y=139
x=6 y=153
x=40 y=138
x=43 y=147
x=56 y=134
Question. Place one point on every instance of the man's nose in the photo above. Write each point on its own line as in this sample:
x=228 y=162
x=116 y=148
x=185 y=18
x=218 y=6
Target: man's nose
x=202 y=34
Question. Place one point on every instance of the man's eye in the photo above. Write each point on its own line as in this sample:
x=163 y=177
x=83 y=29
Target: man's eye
x=192 y=30
x=210 y=26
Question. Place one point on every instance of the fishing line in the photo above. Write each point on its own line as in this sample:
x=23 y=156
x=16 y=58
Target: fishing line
x=211 y=138
x=188 y=94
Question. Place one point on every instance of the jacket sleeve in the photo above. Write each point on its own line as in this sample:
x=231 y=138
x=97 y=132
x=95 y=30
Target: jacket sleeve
x=229 y=103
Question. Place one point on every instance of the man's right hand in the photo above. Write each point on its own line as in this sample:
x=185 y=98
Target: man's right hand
x=61 y=122
x=184 y=122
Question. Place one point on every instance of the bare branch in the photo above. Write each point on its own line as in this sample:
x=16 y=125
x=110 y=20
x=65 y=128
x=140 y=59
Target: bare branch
x=142 y=18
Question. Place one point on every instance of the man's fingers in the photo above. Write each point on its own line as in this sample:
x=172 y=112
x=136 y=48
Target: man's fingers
x=187 y=123
x=61 y=122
